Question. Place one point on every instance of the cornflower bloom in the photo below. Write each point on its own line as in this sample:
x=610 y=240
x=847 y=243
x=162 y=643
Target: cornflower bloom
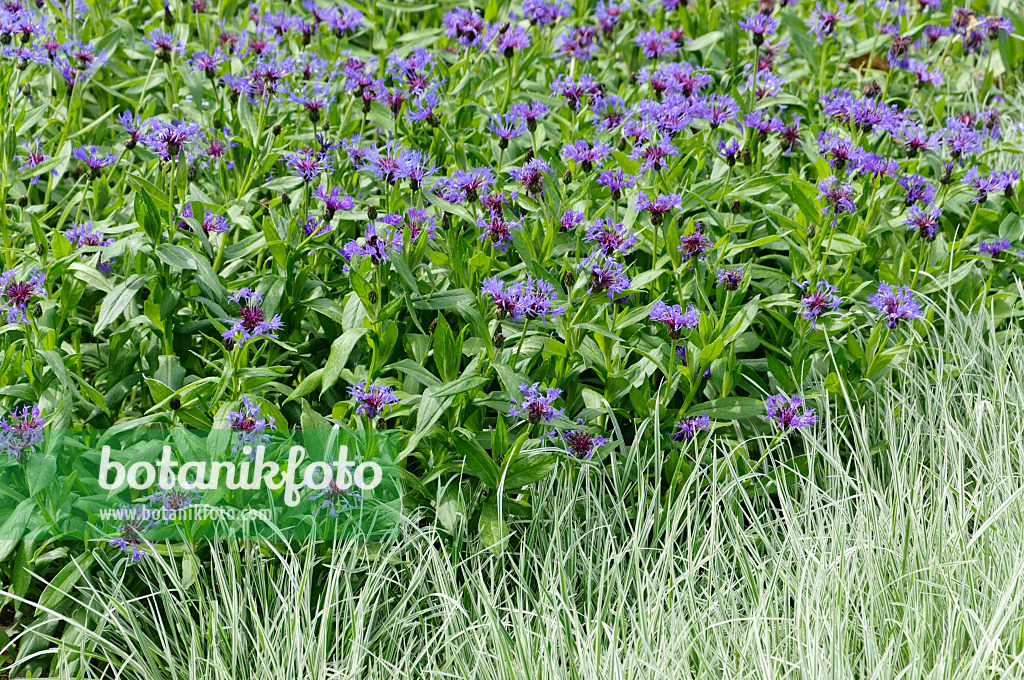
x=654 y=44
x=825 y=22
x=251 y=426
x=213 y=223
x=608 y=13
x=172 y=500
x=132 y=522
x=90 y=156
x=530 y=175
x=687 y=428
x=535 y=406
x=507 y=128
x=252 y=322
x=611 y=237
x=817 y=301
x=605 y=275
x=695 y=244
x=582 y=443
x=308 y=164
x=730 y=279
x=541 y=12
x=372 y=398
x=729 y=151
x=717 y=109
x=33 y=158
x=206 y=63
x=167 y=139
x=838 y=195
x=659 y=207
x=654 y=156
x=783 y=412
x=925 y=221
x=586 y=155
x=21 y=431
x=895 y=304
x=85 y=235
x=498 y=230
x=574 y=91
x=917 y=189
x=759 y=25
x=164 y=44
x=314 y=99
x=472 y=182
x=675 y=320
x=839 y=151
x=377 y=244
x=528 y=299
x=335 y=496
x=16 y=294
x=993 y=183
x=615 y=181
x=570 y=218
x=994 y=248
x=508 y=42
x=531 y=112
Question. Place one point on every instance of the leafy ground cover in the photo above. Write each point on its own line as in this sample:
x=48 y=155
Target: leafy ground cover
x=533 y=240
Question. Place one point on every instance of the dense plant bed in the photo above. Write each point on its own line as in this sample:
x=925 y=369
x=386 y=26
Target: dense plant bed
x=514 y=240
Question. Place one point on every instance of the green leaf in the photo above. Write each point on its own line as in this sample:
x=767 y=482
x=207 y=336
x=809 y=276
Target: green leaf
x=116 y=301
x=341 y=348
x=447 y=350
x=527 y=469
x=13 y=529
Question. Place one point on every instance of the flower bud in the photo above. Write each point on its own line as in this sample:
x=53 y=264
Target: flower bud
x=175 y=404
x=567 y=178
x=371 y=213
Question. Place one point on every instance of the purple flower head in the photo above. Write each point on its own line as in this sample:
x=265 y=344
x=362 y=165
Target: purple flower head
x=333 y=201
x=825 y=22
x=654 y=44
x=962 y=139
x=21 y=431
x=915 y=138
x=605 y=274
x=308 y=164
x=541 y=12
x=575 y=91
x=90 y=156
x=994 y=248
x=586 y=155
x=570 y=219
x=917 y=189
x=507 y=127
x=895 y=304
x=16 y=294
x=507 y=42
x=213 y=223
x=925 y=221
x=498 y=230
x=472 y=182
x=995 y=182
x=783 y=412
x=838 y=195
x=659 y=207
x=695 y=244
x=535 y=406
x=760 y=25
x=531 y=175
x=313 y=99
x=173 y=499
x=687 y=428
x=729 y=151
x=839 y=151
x=922 y=71
x=251 y=426
x=730 y=279
x=167 y=139
x=86 y=236
x=615 y=180
x=817 y=301
x=32 y=158
x=378 y=244
x=873 y=164
x=164 y=43
x=608 y=13
x=655 y=155
x=252 y=322
x=206 y=63
x=529 y=299
x=373 y=398
x=674 y=318
x=132 y=521
x=611 y=237
x=581 y=443
x=609 y=112
x=465 y=26
x=531 y=112
x=418 y=220
x=717 y=109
